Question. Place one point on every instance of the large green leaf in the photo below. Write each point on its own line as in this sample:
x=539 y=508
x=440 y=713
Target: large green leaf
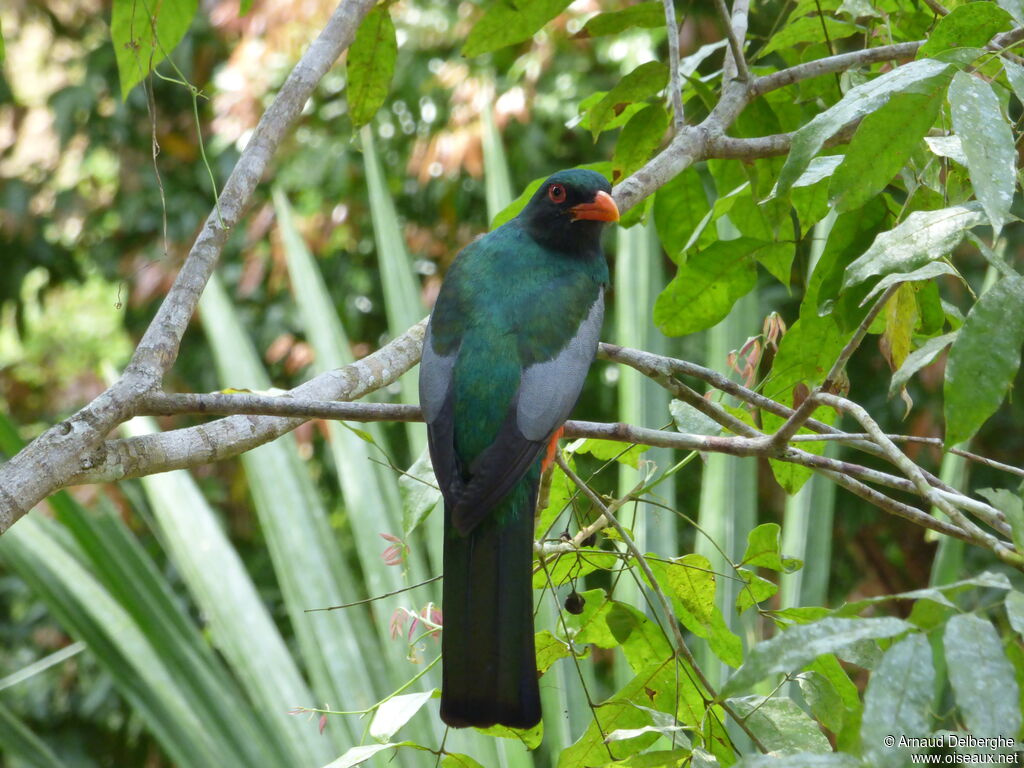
x=707 y=285
x=984 y=358
x=679 y=207
x=801 y=644
x=922 y=237
x=898 y=701
x=507 y=22
x=982 y=677
x=650 y=15
x=970 y=25
x=781 y=725
x=370 y=65
x=145 y=33
x=988 y=143
x=915 y=77
x=638 y=140
x=644 y=81
x=882 y=145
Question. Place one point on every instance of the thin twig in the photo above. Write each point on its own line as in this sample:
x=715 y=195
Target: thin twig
x=735 y=45
x=675 y=82
x=681 y=648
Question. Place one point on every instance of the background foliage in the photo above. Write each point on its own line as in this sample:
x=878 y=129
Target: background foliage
x=163 y=620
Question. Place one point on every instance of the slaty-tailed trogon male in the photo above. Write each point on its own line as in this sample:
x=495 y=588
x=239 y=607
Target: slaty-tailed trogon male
x=511 y=337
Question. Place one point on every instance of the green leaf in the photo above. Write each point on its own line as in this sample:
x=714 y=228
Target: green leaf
x=927 y=272
x=898 y=701
x=679 y=207
x=781 y=725
x=922 y=237
x=802 y=760
x=915 y=77
x=571 y=565
x=982 y=677
x=655 y=759
x=549 y=650
x=649 y=15
x=802 y=643
x=707 y=285
x=947 y=146
x=823 y=699
x=1011 y=505
x=638 y=140
x=143 y=39
x=530 y=737
x=20 y=744
x=1015 y=611
x=988 y=143
x=763 y=550
x=396 y=712
x=644 y=81
x=970 y=25
x=754 y=590
x=507 y=22
x=458 y=760
x=809 y=29
x=613 y=450
x=3 y=53
x=618 y=121
x=918 y=359
x=1015 y=74
x=984 y=358
x=370 y=65
x=1015 y=9
x=689 y=420
x=882 y=145
x=420 y=493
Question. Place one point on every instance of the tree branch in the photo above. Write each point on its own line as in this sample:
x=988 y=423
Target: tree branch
x=735 y=30
x=675 y=83
x=52 y=459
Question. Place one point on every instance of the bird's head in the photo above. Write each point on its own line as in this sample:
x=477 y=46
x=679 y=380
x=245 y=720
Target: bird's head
x=569 y=210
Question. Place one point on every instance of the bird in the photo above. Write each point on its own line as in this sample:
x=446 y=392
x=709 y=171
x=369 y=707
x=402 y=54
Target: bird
x=511 y=336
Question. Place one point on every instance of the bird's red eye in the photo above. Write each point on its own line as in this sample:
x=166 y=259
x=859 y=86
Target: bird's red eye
x=556 y=194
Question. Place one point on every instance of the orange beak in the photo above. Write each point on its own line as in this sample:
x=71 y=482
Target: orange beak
x=602 y=209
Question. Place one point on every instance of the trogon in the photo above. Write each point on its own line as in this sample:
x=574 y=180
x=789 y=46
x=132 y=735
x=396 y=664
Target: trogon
x=510 y=339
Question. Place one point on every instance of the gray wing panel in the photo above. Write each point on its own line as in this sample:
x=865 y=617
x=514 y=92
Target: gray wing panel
x=548 y=391
x=435 y=379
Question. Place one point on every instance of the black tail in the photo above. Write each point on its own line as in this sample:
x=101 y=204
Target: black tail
x=489 y=664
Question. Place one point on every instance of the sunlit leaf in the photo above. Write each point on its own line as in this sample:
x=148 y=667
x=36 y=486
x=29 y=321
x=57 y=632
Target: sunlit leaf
x=644 y=81
x=506 y=23
x=143 y=36
x=396 y=712
x=638 y=140
x=371 y=63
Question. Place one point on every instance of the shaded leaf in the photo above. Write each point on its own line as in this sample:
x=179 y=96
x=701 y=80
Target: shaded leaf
x=754 y=590
x=638 y=140
x=763 y=550
x=918 y=359
x=898 y=701
x=707 y=285
x=678 y=208
x=967 y=26
x=1011 y=505
x=984 y=358
x=882 y=145
x=927 y=272
x=646 y=80
x=1015 y=610
x=781 y=725
x=420 y=493
x=982 y=677
x=689 y=420
x=802 y=643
